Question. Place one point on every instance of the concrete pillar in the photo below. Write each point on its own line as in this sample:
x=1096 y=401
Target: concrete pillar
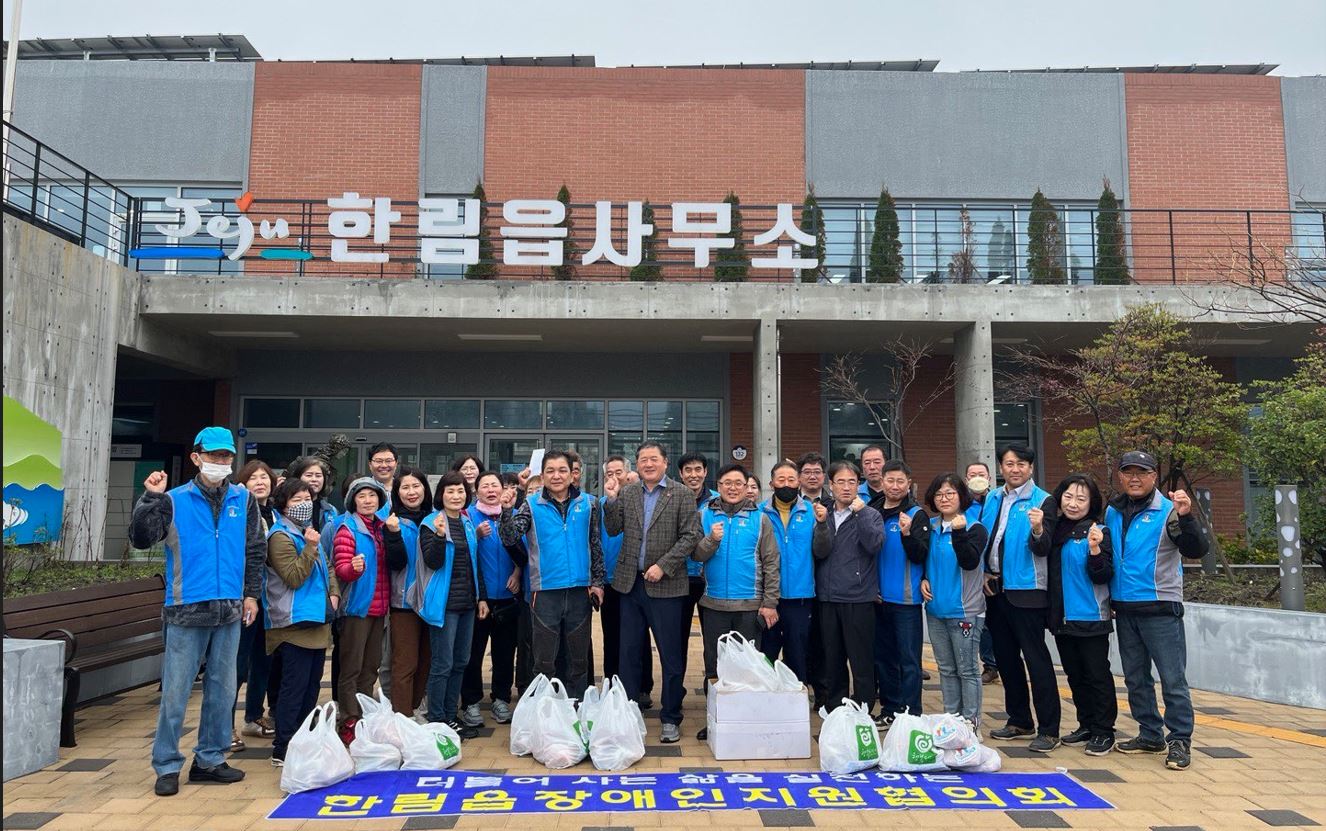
x=1290 y=545
x=973 y=395
x=765 y=373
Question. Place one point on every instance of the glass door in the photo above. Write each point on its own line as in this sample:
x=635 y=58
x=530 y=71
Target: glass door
x=590 y=449
x=510 y=454
x=347 y=466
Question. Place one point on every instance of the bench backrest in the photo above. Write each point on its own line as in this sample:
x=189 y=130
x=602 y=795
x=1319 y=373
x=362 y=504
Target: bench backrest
x=96 y=615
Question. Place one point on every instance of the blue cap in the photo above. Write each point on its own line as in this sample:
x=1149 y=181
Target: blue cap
x=214 y=438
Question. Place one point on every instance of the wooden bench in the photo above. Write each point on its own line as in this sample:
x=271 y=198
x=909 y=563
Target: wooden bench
x=102 y=626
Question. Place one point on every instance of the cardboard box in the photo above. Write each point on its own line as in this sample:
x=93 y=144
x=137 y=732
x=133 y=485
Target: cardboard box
x=758 y=725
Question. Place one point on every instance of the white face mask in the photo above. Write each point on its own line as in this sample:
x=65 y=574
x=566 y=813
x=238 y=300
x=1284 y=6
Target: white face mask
x=214 y=472
x=978 y=484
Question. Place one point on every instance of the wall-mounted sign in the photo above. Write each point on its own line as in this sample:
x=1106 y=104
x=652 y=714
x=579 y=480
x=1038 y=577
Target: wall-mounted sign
x=739 y=453
x=126 y=451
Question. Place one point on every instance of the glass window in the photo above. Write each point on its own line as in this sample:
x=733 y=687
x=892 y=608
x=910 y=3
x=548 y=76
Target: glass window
x=513 y=415
x=455 y=415
x=271 y=412
x=626 y=415
x=277 y=455
x=853 y=427
x=437 y=458
x=132 y=421
x=575 y=415
x=331 y=412
x=664 y=416
x=1309 y=235
x=624 y=444
x=448 y=271
x=842 y=243
x=1015 y=422
x=702 y=415
x=385 y=413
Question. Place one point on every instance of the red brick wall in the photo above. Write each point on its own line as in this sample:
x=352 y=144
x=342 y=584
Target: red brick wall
x=930 y=434
x=320 y=129
x=660 y=135
x=1204 y=141
x=741 y=392
x=800 y=398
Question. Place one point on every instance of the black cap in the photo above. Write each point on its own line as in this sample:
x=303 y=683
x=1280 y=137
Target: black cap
x=1138 y=458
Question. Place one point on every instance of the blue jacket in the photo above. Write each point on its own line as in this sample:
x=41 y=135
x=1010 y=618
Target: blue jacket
x=742 y=569
x=612 y=545
x=284 y=605
x=493 y=557
x=1079 y=591
x=402 y=578
x=796 y=577
x=953 y=569
x=559 y=553
x=358 y=598
x=429 y=591
x=1021 y=570
x=205 y=556
x=693 y=568
x=901 y=567
x=1148 y=554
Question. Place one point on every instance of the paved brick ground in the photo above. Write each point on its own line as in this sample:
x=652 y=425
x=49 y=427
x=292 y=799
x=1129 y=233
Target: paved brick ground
x=1255 y=765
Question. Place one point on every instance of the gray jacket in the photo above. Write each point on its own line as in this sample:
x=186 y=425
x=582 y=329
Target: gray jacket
x=674 y=529
x=847 y=557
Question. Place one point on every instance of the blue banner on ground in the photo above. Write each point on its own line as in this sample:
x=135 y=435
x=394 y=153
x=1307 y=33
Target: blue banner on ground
x=443 y=793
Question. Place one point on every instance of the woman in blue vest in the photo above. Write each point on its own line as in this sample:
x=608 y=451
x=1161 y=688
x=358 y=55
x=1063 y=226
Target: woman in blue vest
x=953 y=589
x=300 y=595
x=411 y=501
x=1080 y=558
x=741 y=566
x=447 y=591
x=794 y=525
x=502 y=592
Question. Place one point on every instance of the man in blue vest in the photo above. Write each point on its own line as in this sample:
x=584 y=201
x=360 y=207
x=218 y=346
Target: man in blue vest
x=560 y=528
x=214 y=553
x=794 y=523
x=1151 y=535
x=1017 y=612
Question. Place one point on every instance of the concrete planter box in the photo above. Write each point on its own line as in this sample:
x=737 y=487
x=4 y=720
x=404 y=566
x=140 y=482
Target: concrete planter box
x=34 y=683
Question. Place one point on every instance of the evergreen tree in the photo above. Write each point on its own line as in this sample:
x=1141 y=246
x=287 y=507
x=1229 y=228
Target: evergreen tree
x=732 y=264
x=567 y=270
x=1111 y=260
x=1043 y=243
x=885 y=243
x=648 y=271
x=484 y=269
x=812 y=223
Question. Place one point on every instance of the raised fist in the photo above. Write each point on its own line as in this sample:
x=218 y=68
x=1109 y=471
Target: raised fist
x=959 y=522
x=1037 y=517
x=821 y=512
x=904 y=524
x=1095 y=536
x=156 y=481
x=1182 y=502
x=358 y=563
x=716 y=531
x=611 y=487
x=393 y=523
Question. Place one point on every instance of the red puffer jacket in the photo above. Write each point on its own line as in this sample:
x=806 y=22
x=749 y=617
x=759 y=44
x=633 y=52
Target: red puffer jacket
x=343 y=551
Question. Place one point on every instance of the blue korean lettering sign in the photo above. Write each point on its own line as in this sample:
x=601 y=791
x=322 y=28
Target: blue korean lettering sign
x=459 y=793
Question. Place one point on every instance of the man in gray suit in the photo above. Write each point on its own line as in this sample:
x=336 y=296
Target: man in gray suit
x=661 y=527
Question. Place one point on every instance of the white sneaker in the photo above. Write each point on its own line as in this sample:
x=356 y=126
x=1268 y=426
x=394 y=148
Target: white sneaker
x=471 y=717
x=501 y=712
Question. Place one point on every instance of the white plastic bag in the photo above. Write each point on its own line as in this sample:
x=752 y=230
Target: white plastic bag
x=557 y=740
x=976 y=758
x=316 y=757
x=369 y=753
x=743 y=667
x=909 y=746
x=379 y=720
x=588 y=708
x=787 y=679
x=849 y=739
x=524 y=721
x=617 y=739
x=952 y=732
x=431 y=746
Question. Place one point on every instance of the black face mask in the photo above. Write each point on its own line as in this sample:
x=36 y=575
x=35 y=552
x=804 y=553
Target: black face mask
x=785 y=494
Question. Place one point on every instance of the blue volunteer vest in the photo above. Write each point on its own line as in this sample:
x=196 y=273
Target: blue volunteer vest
x=1142 y=571
x=494 y=560
x=429 y=592
x=612 y=546
x=401 y=580
x=899 y=577
x=1083 y=599
x=1021 y=569
x=796 y=564
x=957 y=591
x=730 y=573
x=694 y=569
x=283 y=606
x=358 y=598
x=559 y=548
x=205 y=556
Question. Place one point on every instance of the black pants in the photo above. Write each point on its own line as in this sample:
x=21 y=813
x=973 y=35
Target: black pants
x=1019 y=644
x=714 y=624
x=610 y=619
x=524 y=649
x=1087 y=664
x=300 y=681
x=815 y=658
x=663 y=616
x=560 y=621
x=790 y=636
x=502 y=626
x=692 y=600
x=847 y=637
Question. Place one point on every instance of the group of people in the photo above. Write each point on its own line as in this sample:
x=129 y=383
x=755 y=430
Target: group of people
x=413 y=583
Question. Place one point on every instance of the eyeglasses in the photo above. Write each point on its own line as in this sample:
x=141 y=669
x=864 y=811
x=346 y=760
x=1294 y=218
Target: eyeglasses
x=382 y=460
x=1136 y=474
x=946 y=494
x=732 y=484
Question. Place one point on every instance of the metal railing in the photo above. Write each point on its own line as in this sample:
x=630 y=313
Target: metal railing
x=50 y=190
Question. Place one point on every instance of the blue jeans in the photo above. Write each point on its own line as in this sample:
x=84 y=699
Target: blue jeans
x=186 y=649
x=450 y=646
x=1158 y=639
x=791 y=636
x=898 y=657
x=958 y=655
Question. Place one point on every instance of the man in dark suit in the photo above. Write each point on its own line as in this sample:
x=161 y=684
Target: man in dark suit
x=661 y=527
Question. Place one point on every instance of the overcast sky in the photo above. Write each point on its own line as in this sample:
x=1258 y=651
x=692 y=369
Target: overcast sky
x=995 y=34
